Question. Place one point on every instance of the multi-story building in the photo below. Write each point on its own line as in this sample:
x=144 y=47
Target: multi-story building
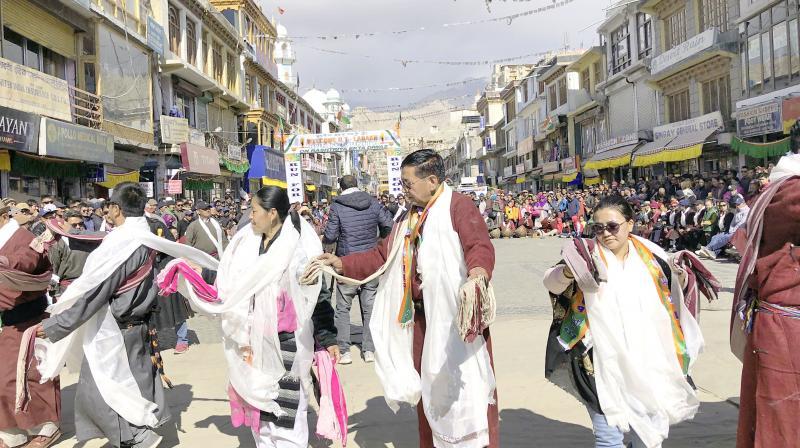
x=77 y=83
x=586 y=119
x=769 y=53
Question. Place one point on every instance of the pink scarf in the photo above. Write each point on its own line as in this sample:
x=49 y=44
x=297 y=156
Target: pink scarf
x=332 y=422
x=168 y=281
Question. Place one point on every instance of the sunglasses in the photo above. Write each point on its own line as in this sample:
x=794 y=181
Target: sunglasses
x=78 y=225
x=47 y=202
x=611 y=226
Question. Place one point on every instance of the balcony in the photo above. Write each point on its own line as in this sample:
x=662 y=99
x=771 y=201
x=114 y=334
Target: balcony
x=87 y=108
x=313 y=165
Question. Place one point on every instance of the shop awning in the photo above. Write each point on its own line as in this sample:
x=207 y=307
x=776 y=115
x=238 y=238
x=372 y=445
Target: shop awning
x=683 y=147
x=270 y=182
x=567 y=178
x=5 y=161
x=589 y=181
x=311 y=187
x=761 y=150
x=521 y=179
x=612 y=158
x=112 y=180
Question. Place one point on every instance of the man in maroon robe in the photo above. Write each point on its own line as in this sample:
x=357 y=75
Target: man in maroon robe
x=768 y=292
x=420 y=181
x=24 y=278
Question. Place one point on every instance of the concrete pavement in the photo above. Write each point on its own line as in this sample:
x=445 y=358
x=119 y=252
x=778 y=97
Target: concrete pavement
x=533 y=413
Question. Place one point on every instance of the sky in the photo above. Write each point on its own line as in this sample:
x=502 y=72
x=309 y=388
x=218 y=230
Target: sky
x=574 y=25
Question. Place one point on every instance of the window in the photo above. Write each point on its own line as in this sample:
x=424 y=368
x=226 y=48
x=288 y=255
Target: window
x=717 y=96
x=216 y=50
x=265 y=94
x=205 y=57
x=185 y=104
x=231 y=64
x=794 y=47
x=644 y=25
x=13 y=44
x=620 y=49
x=174 y=30
x=714 y=13
x=191 y=43
x=598 y=72
x=586 y=81
x=32 y=53
x=678 y=106
x=562 y=91
x=780 y=48
x=754 y=61
x=766 y=56
x=675 y=28
x=551 y=96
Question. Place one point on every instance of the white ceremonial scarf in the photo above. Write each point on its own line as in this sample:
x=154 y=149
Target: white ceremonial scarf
x=457 y=382
x=788 y=165
x=639 y=380
x=248 y=286
x=7 y=231
x=218 y=240
x=102 y=341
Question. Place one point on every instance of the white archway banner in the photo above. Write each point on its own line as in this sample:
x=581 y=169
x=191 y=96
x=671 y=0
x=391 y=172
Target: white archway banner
x=342 y=142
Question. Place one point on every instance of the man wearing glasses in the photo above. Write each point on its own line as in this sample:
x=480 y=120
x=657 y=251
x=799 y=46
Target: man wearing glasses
x=444 y=247
x=68 y=255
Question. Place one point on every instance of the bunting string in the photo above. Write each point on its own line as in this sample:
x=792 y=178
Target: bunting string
x=403 y=89
x=508 y=20
x=417 y=104
x=406 y=62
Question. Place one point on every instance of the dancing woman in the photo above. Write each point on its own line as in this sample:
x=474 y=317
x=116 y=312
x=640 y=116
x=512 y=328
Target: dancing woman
x=271 y=323
x=622 y=339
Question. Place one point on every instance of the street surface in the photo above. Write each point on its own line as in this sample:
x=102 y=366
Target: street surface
x=533 y=412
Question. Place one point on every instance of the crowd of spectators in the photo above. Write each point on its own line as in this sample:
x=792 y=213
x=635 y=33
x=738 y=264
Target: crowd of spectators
x=688 y=212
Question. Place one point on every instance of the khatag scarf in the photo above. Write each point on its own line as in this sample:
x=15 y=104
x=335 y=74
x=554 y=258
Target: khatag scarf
x=412 y=239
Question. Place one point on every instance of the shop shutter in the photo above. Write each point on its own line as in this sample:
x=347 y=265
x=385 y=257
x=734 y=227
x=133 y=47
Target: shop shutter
x=39 y=25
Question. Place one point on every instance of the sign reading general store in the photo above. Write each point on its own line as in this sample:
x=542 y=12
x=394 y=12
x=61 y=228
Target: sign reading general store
x=712 y=121
x=18 y=130
x=72 y=141
x=760 y=119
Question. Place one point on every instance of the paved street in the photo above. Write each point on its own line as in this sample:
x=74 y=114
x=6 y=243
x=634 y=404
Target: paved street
x=533 y=412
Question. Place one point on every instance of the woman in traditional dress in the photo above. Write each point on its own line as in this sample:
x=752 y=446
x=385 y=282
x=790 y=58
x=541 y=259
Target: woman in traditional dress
x=622 y=340
x=271 y=323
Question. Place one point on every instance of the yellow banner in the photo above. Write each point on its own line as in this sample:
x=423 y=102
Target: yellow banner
x=112 y=180
x=269 y=182
x=30 y=90
x=5 y=161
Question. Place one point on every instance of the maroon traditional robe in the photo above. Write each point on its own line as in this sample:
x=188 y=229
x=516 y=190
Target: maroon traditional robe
x=770 y=393
x=45 y=403
x=478 y=253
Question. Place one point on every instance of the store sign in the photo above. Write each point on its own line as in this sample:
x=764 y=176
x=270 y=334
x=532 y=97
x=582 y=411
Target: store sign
x=72 y=141
x=275 y=166
x=684 y=51
x=294 y=179
x=18 y=130
x=199 y=159
x=174 y=130
x=551 y=167
x=342 y=142
x=759 y=120
x=393 y=162
x=30 y=90
x=148 y=188
x=712 y=121
x=234 y=152
x=618 y=142
x=520 y=168
x=568 y=164
x=197 y=137
x=175 y=186
x=155 y=36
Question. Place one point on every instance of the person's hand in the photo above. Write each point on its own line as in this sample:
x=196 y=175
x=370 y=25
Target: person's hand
x=332 y=261
x=196 y=267
x=333 y=350
x=479 y=273
x=40 y=333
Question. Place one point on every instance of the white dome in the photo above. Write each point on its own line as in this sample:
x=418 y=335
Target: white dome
x=333 y=95
x=316 y=98
x=346 y=107
x=281 y=30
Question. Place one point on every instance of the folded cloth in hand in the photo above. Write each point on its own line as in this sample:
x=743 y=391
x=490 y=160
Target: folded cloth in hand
x=332 y=421
x=169 y=277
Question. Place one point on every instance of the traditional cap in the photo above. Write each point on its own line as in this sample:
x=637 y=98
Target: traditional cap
x=737 y=200
x=47 y=209
x=202 y=205
x=152 y=202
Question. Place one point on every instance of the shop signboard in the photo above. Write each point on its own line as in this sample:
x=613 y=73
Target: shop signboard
x=175 y=186
x=618 y=142
x=197 y=137
x=23 y=88
x=72 y=141
x=148 y=189
x=708 y=122
x=342 y=142
x=294 y=179
x=18 y=130
x=174 y=130
x=791 y=113
x=684 y=51
x=551 y=167
x=393 y=162
x=155 y=36
x=199 y=159
x=568 y=164
x=760 y=119
x=234 y=152
x=275 y=166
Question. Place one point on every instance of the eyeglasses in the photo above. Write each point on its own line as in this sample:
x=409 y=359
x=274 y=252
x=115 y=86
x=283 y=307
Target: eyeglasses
x=611 y=226
x=77 y=225
x=407 y=186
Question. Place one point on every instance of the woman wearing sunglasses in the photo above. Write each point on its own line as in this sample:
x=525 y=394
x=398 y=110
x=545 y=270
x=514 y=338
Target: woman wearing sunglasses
x=622 y=341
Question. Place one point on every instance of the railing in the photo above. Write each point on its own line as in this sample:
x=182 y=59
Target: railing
x=87 y=108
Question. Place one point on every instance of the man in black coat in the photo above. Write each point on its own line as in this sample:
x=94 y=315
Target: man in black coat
x=355 y=222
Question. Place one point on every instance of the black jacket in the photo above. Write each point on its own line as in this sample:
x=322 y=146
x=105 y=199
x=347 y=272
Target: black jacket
x=354 y=222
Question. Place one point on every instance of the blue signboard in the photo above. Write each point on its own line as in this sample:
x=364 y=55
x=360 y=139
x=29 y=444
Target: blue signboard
x=155 y=36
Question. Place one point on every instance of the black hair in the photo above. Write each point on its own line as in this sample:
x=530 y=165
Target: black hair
x=130 y=198
x=72 y=214
x=618 y=203
x=426 y=162
x=270 y=197
x=348 y=181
